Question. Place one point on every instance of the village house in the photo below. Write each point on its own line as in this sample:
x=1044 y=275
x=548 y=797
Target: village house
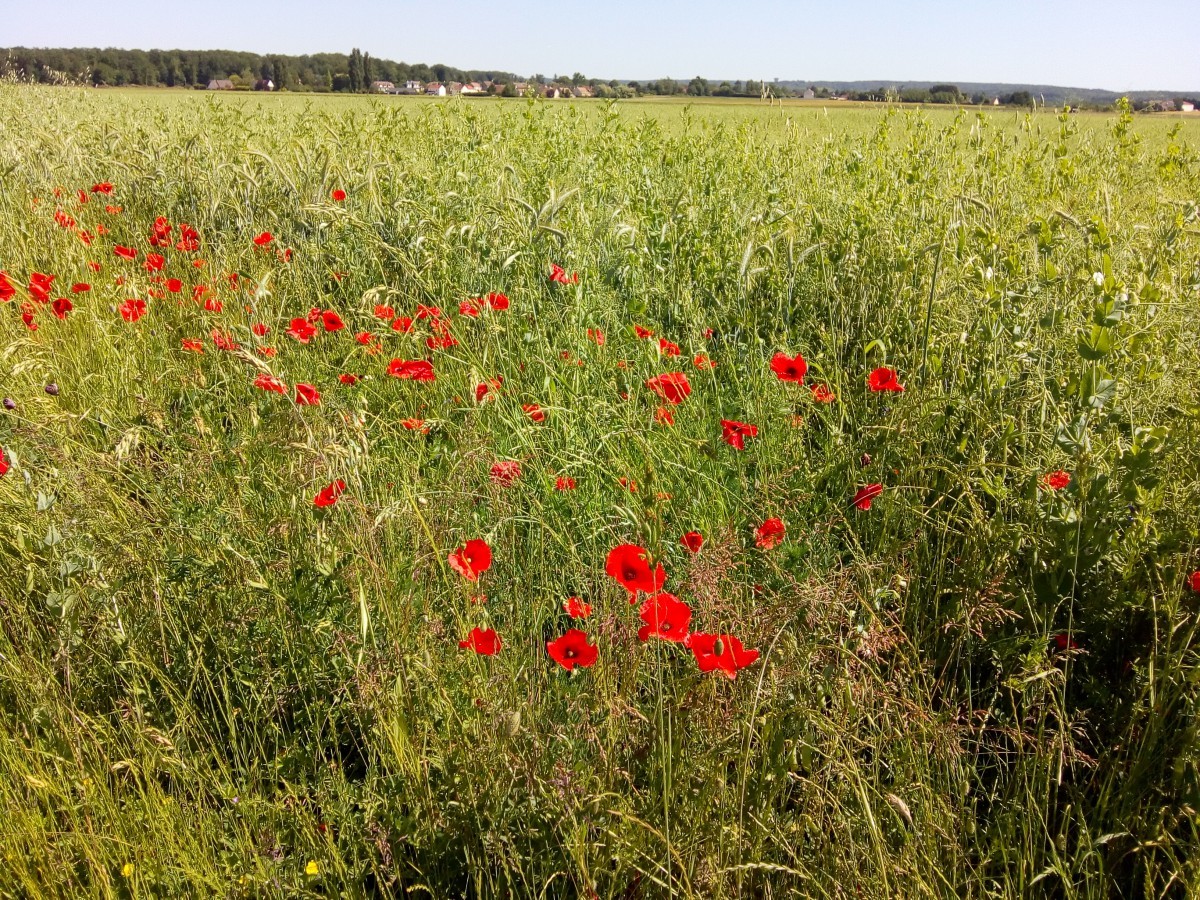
x=551 y=92
x=434 y=89
x=809 y=94
x=1187 y=106
x=473 y=89
x=382 y=87
x=264 y=84
x=220 y=84
x=585 y=90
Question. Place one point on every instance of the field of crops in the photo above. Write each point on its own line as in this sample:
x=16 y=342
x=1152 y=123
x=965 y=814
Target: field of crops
x=515 y=498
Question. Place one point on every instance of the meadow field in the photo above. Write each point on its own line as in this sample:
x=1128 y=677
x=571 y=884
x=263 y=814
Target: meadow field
x=558 y=499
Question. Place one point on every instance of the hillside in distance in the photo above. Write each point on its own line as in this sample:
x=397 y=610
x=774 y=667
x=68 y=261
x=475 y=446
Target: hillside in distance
x=1050 y=94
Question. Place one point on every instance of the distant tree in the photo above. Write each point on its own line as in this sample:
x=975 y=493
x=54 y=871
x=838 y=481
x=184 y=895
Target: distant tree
x=368 y=72
x=698 y=87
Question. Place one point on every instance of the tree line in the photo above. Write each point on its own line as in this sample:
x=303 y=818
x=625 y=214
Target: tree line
x=352 y=72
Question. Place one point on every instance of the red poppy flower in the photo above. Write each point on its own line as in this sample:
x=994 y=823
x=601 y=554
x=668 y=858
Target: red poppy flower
x=472 y=559
x=735 y=433
x=865 y=495
x=671 y=386
x=189 y=241
x=154 y=262
x=307 y=395
x=576 y=608
x=572 y=649
x=332 y=321
x=702 y=361
x=302 y=330
x=384 y=312
x=469 y=308
x=223 y=341
x=270 y=383
x=103 y=187
x=484 y=388
x=559 y=274
x=505 y=472
x=94 y=266
x=61 y=307
x=643 y=332
x=822 y=394
x=769 y=534
x=125 y=252
x=535 y=412
x=132 y=310
x=3 y=462
x=693 y=540
x=40 y=286
x=1057 y=480
x=483 y=641
x=415 y=425
x=192 y=345
x=80 y=288
x=1065 y=642
x=884 y=379
x=428 y=312
x=720 y=653
x=664 y=416
x=666 y=617
x=497 y=301
x=330 y=494
x=441 y=339
x=7 y=290
x=403 y=325
x=595 y=334
x=564 y=483
x=27 y=316
x=1194 y=582
x=629 y=565
x=338 y=195
x=348 y=379
x=787 y=368
x=264 y=239
x=258 y=329
x=629 y=484
x=412 y=369
x=212 y=304
x=667 y=348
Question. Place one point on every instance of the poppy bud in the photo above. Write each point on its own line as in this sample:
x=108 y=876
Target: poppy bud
x=864 y=460
x=52 y=389
x=718 y=647
x=10 y=403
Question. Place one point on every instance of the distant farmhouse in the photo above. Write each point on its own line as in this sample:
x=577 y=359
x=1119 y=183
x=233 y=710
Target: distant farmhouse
x=382 y=87
x=220 y=84
x=264 y=84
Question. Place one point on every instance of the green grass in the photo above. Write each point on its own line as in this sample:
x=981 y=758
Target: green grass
x=207 y=685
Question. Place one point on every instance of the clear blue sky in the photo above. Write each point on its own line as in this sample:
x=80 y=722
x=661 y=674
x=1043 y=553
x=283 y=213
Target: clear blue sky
x=1152 y=44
